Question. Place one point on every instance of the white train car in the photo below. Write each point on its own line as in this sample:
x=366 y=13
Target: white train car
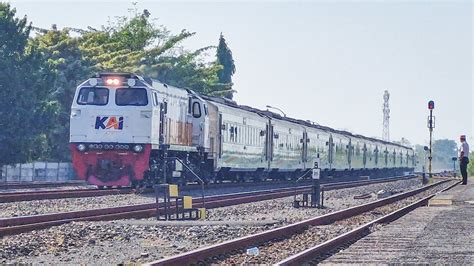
x=239 y=141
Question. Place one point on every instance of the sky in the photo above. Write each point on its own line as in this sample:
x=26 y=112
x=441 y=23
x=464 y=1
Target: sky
x=325 y=61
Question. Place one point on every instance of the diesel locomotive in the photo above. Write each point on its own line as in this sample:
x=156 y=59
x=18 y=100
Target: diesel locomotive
x=128 y=130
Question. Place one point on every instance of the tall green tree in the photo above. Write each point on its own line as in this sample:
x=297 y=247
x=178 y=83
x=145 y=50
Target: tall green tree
x=471 y=164
x=68 y=67
x=39 y=74
x=25 y=103
x=225 y=59
x=443 y=152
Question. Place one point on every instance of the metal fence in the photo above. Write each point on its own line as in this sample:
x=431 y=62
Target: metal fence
x=37 y=171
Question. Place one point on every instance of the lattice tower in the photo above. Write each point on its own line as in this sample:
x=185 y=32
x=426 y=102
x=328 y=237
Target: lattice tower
x=386 y=117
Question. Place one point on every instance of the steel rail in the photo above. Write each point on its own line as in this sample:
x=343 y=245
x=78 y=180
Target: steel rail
x=330 y=245
x=93 y=192
x=59 y=194
x=15 y=225
x=81 y=193
x=282 y=232
x=25 y=184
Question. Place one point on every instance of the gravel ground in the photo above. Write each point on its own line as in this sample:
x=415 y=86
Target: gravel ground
x=279 y=249
x=145 y=240
x=35 y=207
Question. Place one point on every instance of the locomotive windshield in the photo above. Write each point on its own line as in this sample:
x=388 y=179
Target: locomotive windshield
x=93 y=96
x=131 y=96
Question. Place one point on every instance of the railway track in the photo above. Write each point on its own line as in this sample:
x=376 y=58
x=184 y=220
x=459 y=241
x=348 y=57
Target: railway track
x=15 y=225
x=59 y=194
x=80 y=193
x=273 y=244
x=26 y=185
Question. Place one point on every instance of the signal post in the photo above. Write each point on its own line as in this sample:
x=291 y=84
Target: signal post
x=431 y=126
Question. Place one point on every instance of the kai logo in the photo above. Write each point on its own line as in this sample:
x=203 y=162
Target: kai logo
x=109 y=122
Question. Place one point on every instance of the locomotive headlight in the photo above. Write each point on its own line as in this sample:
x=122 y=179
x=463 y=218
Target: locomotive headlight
x=93 y=82
x=112 y=81
x=81 y=147
x=131 y=82
x=138 y=148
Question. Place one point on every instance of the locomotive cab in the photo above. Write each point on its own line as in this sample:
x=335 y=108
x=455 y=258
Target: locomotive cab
x=111 y=129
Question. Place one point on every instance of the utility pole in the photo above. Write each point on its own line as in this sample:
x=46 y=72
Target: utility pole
x=431 y=125
x=386 y=117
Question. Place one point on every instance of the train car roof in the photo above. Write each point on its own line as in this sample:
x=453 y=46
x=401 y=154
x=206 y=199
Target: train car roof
x=266 y=113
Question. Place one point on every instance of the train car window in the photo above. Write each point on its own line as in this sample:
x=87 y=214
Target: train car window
x=237 y=139
x=196 y=110
x=206 y=112
x=93 y=96
x=131 y=96
x=155 y=99
x=231 y=131
x=226 y=133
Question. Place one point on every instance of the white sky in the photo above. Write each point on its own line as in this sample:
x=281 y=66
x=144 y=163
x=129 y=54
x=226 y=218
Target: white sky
x=326 y=61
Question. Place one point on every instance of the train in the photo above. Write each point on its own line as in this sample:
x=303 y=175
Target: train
x=129 y=130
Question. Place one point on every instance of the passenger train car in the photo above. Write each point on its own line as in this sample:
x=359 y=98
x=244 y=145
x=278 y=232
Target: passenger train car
x=129 y=130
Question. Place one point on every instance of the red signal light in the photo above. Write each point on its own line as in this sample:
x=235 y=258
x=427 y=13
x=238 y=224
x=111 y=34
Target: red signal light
x=431 y=105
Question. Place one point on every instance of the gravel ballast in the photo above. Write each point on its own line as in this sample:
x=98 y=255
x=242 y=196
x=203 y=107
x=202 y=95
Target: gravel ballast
x=35 y=207
x=145 y=240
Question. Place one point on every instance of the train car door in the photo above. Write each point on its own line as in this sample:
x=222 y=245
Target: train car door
x=349 y=153
x=331 y=151
x=304 y=155
x=269 y=143
x=376 y=153
x=364 y=154
x=221 y=137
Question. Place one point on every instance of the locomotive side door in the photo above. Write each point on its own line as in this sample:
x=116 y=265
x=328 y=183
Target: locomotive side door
x=163 y=107
x=200 y=122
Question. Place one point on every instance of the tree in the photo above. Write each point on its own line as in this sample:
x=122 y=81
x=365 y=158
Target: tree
x=39 y=75
x=25 y=103
x=470 y=169
x=443 y=152
x=135 y=44
x=68 y=68
x=225 y=59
